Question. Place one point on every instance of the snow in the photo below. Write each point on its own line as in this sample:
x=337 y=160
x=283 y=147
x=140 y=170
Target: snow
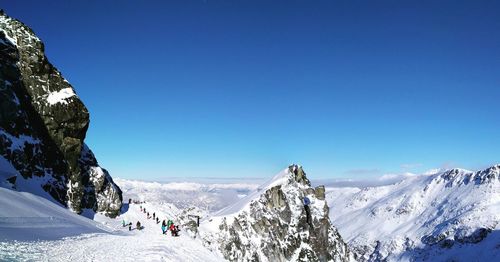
x=4 y=20
x=14 y=31
x=31 y=185
x=6 y=167
x=28 y=217
x=60 y=96
x=19 y=141
x=239 y=225
x=391 y=221
x=405 y=219
x=6 y=171
x=25 y=216
x=108 y=241
x=33 y=228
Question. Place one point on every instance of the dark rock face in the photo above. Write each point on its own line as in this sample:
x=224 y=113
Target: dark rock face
x=43 y=125
x=274 y=227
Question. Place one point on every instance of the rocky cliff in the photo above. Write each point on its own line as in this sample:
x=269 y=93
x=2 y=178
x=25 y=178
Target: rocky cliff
x=43 y=125
x=271 y=224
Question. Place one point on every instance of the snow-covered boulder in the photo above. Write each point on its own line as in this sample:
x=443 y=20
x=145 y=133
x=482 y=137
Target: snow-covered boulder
x=43 y=125
x=271 y=224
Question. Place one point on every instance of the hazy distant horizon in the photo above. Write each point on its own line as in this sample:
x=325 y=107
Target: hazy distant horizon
x=382 y=180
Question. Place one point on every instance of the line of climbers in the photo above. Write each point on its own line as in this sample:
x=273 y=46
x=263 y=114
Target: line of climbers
x=165 y=226
x=130 y=201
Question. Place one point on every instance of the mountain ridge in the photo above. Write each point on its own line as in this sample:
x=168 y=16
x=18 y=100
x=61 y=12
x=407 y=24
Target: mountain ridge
x=434 y=215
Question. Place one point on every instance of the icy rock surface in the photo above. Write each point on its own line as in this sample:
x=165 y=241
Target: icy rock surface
x=271 y=224
x=43 y=125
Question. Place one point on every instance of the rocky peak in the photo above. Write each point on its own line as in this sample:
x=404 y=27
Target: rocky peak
x=457 y=176
x=272 y=224
x=43 y=123
x=300 y=175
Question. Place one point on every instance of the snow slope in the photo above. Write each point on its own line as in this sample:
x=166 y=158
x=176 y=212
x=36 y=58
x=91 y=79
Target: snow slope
x=118 y=244
x=25 y=216
x=452 y=215
x=30 y=213
x=33 y=228
x=101 y=240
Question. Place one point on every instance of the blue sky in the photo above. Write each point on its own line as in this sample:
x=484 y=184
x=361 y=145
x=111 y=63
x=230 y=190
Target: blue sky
x=243 y=88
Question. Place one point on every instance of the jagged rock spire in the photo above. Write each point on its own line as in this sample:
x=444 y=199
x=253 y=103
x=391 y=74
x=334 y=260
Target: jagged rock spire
x=272 y=224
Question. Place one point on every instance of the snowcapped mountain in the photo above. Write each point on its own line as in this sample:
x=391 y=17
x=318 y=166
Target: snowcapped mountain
x=271 y=224
x=43 y=125
x=446 y=216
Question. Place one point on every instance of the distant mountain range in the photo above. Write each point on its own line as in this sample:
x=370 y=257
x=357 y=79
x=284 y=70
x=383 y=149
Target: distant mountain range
x=447 y=216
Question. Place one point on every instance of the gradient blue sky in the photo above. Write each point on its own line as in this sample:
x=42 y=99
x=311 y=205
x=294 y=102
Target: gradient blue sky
x=238 y=88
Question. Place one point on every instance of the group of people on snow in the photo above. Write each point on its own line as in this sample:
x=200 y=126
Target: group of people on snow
x=135 y=201
x=165 y=226
x=169 y=225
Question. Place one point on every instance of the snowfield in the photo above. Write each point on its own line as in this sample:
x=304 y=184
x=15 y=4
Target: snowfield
x=35 y=229
x=445 y=216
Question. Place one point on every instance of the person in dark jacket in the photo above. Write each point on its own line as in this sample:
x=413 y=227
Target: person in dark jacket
x=164 y=227
x=138 y=225
x=307 y=202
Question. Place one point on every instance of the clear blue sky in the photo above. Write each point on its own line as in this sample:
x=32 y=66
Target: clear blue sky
x=237 y=88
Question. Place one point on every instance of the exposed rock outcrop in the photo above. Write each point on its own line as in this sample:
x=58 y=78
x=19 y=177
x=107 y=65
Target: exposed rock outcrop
x=271 y=224
x=43 y=125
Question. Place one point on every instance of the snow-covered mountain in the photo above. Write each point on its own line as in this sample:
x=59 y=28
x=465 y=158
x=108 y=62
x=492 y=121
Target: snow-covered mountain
x=271 y=224
x=446 y=216
x=43 y=125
